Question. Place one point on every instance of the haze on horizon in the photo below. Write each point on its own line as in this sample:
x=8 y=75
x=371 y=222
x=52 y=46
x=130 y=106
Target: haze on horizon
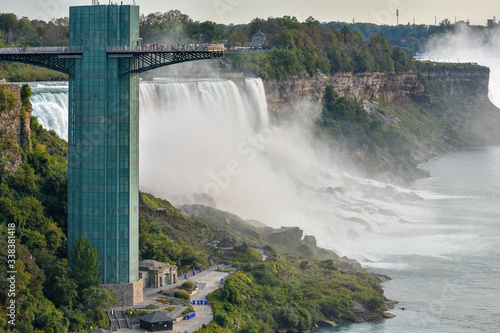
x=243 y=11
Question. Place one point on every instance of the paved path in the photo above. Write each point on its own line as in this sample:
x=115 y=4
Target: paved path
x=207 y=281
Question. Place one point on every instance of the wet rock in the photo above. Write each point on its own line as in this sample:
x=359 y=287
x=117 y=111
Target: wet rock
x=227 y=242
x=284 y=235
x=305 y=265
x=388 y=315
x=311 y=240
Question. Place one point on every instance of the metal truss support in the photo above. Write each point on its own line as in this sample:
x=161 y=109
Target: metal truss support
x=145 y=61
x=58 y=62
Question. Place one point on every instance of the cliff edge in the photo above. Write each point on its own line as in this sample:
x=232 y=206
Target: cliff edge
x=15 y=132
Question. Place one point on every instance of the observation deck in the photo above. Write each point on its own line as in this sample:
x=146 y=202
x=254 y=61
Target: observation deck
x=144 y=58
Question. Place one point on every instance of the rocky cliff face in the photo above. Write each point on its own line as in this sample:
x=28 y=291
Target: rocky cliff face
x=443 y=82
x=386 y=87
x=15 y=130
x=438 y=109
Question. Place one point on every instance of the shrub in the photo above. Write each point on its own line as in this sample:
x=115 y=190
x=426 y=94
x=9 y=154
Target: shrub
x=164 y=301
x=182 y=294
x=222 y=319
x=132 y=313
x=188 y=285
x=374 y=303
x=188 y=310
x=8 y=100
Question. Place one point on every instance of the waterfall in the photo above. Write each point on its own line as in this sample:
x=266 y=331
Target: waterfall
x=50 y=106
x=193 y=129
x=257 y=96
x=220 y=98
x=50 y=100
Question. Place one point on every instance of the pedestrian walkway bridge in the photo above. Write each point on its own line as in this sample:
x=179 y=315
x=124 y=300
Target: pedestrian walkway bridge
x=144 y=58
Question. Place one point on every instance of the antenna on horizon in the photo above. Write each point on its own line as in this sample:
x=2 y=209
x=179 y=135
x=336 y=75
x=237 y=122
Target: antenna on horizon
x=397 y=17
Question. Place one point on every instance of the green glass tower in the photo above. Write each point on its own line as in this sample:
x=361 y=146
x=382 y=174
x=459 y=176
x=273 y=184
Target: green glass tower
x=103 y=62
x=103 y=161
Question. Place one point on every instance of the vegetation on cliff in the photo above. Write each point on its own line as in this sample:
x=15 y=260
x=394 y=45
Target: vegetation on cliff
x=279 y=290
x=280 y=295
x=8 y=99
x=377 y=145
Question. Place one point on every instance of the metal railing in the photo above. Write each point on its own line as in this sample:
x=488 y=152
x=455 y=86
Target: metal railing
x=166 y=48
x=113 y=49
x=45 y=49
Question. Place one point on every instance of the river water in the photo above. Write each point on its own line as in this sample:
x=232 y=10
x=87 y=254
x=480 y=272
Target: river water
x=446 y=265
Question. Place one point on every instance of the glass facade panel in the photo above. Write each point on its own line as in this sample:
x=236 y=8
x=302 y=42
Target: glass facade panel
x=103 y=159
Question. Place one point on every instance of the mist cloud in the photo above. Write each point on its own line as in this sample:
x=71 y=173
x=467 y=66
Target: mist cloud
x=468 y=44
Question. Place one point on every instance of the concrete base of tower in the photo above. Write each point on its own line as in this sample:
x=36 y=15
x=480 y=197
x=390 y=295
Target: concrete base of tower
x=127 y=294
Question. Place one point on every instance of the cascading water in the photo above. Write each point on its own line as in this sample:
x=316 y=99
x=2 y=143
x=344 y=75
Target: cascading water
x=50 y=106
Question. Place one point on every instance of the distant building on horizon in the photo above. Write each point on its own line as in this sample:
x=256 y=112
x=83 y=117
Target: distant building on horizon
x=490 y=23
x=258 y=40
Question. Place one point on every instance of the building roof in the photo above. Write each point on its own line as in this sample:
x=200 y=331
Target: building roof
x=259 y=34
x=155 y=317
x=153 y=264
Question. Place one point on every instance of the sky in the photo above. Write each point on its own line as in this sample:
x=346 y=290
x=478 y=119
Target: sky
x=243 y=11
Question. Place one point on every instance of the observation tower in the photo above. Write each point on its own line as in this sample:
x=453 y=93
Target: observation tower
x=103 y=60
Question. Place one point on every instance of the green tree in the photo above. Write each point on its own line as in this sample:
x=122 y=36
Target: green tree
x=8 y=100
x=96 y=301
x=85 y=265
x=25 y=179
x=237 y=36
x=59 y=287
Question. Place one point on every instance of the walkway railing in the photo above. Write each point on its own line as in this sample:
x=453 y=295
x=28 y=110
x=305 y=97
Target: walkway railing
x=47 y=49
x=166 y=48
x=117 y=49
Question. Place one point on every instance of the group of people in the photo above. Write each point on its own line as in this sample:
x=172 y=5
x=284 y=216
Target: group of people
x=145 y=47
x=181 y=47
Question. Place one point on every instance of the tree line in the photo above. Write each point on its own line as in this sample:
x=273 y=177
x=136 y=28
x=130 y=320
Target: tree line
x=306 y=48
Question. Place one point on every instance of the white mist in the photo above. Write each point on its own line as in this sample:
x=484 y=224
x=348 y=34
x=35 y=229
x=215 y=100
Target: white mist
x=468 y=44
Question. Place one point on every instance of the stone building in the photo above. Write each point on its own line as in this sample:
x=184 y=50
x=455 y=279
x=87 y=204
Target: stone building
x=155 y=274
x=258 y=40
